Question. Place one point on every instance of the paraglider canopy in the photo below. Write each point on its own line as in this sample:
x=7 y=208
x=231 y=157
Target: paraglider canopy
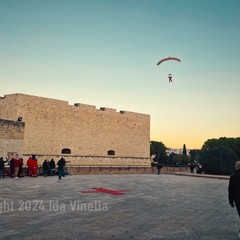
x=167 y=59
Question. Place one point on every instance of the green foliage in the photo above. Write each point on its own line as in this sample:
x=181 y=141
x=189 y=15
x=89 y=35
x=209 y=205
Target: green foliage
x=173 y=159
x=177 y=159
x=184 y=160
x=217 y=156
x=184 y=156
x=233 y=143
x=195 y=155
x=218 y=160
x=159 y=150
x=184 y=150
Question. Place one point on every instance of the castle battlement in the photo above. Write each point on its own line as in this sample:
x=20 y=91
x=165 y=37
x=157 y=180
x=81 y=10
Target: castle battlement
x=45 y=102
x=108 y=109
x=85 y=106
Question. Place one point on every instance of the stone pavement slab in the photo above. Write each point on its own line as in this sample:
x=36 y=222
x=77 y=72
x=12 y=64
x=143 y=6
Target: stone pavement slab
x=163 y=206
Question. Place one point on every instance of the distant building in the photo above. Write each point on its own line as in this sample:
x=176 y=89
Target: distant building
x=176 y=150
x=86 y=135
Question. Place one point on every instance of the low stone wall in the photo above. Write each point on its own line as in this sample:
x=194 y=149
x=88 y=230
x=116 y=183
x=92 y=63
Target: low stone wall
x=77 y=170
x=174 y=169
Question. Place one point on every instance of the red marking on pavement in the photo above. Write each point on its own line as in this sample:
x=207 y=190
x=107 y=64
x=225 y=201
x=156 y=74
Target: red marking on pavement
x=109 y=191
x=105 y=190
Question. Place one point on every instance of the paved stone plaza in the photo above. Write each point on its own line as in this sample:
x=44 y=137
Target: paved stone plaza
x=151 y=207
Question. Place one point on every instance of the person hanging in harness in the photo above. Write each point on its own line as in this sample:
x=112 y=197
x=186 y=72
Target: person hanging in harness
x=170 y=78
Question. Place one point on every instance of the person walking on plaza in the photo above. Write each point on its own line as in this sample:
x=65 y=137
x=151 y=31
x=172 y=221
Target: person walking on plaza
x=191 y=166
x=234 y=190
x=159 y=166
x=61 y=164
x=2 y=167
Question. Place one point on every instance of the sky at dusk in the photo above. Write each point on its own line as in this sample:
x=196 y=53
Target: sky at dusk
x=105 y=53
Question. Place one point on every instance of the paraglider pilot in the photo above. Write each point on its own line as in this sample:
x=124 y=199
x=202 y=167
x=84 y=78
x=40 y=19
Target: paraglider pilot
x=170 y=78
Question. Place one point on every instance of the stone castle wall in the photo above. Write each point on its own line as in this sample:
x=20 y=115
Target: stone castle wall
x=52 y=125
x=11 y=137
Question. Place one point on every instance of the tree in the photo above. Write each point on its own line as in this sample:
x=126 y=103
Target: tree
x=184 y=150
x=173 y=159
x=195 y=155
x=184 y=155
x=159 y=150
x=218 y=160
x=233 y=143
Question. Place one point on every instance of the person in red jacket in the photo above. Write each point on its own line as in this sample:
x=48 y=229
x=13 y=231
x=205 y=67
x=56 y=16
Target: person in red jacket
x=29 y=165
x=34 y=166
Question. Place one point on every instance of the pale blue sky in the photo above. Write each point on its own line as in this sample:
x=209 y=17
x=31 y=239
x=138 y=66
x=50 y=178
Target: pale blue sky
x=104 y=53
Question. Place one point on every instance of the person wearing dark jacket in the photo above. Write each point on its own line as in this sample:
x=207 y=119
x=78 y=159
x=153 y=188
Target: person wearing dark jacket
x=234 y=190
x=2 y=167
x=52 y=167
x=11 y=169
x=20 y=170
x=159 y=167
x=46 y=168
x=61 y=164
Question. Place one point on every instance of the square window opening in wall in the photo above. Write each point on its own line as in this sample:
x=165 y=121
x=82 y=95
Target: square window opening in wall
x=111 y=152
x=66 y=151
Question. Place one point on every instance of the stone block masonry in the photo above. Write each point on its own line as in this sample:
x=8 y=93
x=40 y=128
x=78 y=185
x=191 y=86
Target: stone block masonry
x=53 y=127
x=11 y=137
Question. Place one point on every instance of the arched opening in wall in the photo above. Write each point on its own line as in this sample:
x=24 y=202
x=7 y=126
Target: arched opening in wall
x=66 y=151
x=111 y=152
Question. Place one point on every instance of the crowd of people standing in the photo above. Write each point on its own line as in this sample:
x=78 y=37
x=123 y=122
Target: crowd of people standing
x=49 y=167
x=14 y=167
